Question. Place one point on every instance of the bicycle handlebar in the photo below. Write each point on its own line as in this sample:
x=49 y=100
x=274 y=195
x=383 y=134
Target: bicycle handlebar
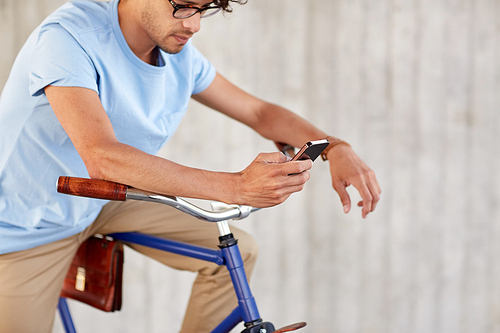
x=102 y=189
x=92 y=188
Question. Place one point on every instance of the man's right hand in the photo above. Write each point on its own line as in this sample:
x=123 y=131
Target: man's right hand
x=269 y=181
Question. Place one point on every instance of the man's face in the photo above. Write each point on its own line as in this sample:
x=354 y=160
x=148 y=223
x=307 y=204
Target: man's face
x=168 y=33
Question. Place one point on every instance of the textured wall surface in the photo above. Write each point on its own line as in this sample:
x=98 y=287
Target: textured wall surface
x=413 y=85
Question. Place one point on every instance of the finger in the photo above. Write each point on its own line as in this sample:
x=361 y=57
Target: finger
x=374 y=203
x=289 y=190
x=340 y=188
x=367 y=198
x=297 y=179
x=297 y=167
x=273 y=157
x=281 y=182
x=281 y=194
x=375 y=193
x=374 y=188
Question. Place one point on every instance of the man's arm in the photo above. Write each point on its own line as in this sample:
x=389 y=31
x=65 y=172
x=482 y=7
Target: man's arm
x=280 y=125
x=263 y=183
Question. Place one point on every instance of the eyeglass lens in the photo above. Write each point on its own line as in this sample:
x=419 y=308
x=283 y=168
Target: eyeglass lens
x=187 y=12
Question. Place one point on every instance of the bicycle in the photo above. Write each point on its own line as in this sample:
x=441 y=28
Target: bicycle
x=246 y=311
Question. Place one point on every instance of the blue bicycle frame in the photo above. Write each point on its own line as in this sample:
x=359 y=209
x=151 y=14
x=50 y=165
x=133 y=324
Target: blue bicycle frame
x=228 y=255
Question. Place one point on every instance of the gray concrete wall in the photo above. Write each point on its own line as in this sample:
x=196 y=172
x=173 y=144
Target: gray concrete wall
x=413 y=85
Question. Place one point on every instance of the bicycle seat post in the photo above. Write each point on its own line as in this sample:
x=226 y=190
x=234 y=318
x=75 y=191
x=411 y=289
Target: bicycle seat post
x=223 y=227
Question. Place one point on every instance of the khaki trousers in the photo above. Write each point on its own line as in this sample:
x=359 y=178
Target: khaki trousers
x=31 y=280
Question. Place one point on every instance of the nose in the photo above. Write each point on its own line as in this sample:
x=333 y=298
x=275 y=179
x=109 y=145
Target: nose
x=192 y=23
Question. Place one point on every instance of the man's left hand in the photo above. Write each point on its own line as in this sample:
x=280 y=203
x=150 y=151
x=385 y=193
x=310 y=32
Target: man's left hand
x=348 y=169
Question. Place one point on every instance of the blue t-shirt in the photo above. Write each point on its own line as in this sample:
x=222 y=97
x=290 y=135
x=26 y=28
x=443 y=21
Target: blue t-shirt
x=80 y=45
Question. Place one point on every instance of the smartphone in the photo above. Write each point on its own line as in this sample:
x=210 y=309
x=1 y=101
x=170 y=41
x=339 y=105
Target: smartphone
x=311 y=150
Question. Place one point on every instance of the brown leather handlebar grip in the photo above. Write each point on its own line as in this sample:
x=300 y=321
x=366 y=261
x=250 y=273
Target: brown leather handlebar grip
x=92 y=188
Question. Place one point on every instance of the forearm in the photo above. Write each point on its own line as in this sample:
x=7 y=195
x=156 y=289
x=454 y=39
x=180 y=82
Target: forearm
x=264 y=183
x=281 y=125
x=269 y=120
x=125 y=164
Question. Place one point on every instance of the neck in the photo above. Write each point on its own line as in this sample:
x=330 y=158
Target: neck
x=137 y=39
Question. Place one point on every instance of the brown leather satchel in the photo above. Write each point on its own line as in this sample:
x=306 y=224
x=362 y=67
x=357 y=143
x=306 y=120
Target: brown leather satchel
x=95 y=275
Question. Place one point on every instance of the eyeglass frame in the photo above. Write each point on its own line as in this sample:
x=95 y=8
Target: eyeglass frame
x=198 y=10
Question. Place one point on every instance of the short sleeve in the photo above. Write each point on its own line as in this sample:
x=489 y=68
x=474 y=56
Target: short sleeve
x=204 y=71
x=60 y=60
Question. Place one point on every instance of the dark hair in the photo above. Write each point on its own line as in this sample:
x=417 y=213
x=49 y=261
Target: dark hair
x=225 y=4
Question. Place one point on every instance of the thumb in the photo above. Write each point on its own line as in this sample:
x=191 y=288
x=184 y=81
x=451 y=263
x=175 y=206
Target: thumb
x=273 y=157
x=344 y=196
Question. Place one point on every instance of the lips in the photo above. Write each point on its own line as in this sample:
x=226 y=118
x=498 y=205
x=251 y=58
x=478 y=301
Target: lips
x=182 y=39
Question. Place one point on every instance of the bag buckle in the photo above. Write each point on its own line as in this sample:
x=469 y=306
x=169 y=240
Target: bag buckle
x=80 y=279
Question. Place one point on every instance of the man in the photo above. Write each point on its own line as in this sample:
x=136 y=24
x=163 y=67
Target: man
x=95 y=92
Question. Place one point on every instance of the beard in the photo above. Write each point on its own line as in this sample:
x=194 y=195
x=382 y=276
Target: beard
x=170 y=44
x=167 y=43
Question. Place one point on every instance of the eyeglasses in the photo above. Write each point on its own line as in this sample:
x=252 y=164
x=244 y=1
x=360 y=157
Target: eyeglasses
x=185 y=11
